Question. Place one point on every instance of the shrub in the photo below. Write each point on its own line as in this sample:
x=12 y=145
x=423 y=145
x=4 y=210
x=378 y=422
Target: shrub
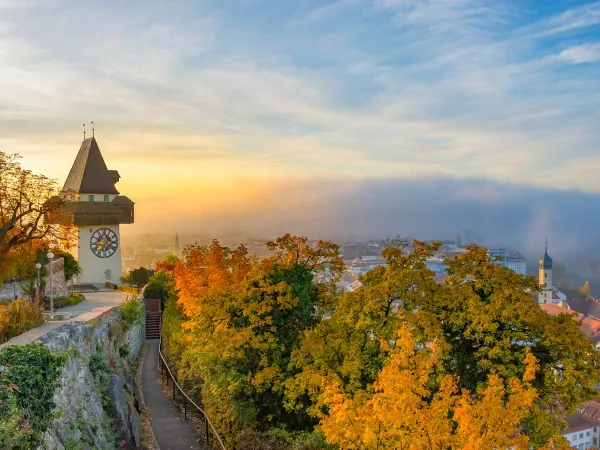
x=129 y=289
x=18 y=317
x=110 y=285
x=64 y=301
x=124 y=350
x=28 y=378
x=132 y=311
x=155 y=290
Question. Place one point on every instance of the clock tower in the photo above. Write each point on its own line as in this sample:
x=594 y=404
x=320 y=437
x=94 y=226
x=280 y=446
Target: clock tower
x=95 y=207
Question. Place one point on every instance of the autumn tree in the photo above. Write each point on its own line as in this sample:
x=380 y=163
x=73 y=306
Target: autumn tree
x=26 y=200
x=240 y=322
x=483 y=320
x=295 y=250
x=414 y=404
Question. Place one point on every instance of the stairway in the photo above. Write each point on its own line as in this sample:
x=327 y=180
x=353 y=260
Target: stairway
x=152 y=325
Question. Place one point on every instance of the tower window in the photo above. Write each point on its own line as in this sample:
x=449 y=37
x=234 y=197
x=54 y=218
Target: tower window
x=91 y=198
x=545 y=274
x=106 y=198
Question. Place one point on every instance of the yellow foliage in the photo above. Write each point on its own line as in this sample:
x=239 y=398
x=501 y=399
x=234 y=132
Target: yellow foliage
x=412 y=407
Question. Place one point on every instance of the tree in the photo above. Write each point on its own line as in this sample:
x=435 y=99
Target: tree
x=71 y=267
x=483 y=320
x=398 y=242
x=241 y=322
x=294 y=250
x=414 y=404
x=26 y=201
x=139 y=276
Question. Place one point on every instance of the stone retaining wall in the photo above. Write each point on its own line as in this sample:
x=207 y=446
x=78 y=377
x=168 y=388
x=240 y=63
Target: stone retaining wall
x=96 y=410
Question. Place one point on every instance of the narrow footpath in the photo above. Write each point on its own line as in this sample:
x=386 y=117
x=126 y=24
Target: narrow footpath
x=171 y=430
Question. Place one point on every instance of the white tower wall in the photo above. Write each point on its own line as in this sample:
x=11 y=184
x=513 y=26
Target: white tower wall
x=94 y=268
x=545 y=279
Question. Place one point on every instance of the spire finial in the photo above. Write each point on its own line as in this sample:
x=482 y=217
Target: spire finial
x=84 y=131
x=92 y=128
x=546 y=245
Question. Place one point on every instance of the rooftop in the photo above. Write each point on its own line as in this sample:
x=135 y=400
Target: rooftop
x=89 y=173
x=577 y=422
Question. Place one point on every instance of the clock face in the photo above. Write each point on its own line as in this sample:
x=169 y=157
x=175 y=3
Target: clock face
x=104 y=242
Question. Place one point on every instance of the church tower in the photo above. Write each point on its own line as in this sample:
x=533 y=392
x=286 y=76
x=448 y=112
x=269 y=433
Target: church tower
x=95 y=207
x=177 y=247
x=545 y=277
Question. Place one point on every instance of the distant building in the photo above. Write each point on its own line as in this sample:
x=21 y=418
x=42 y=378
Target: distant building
x=370 y=257
x=517 y=263
x=436 y=265
x=581 y=431
x=177 y=247
x=590 y=326
x=545 y=278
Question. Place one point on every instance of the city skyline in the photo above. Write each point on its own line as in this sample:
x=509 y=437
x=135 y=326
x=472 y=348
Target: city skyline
x=369 y=116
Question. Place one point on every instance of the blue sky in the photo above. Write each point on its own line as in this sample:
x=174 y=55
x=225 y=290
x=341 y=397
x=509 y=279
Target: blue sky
x=206 y=92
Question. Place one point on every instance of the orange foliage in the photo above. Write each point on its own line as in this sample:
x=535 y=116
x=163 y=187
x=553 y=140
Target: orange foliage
x=207 y=270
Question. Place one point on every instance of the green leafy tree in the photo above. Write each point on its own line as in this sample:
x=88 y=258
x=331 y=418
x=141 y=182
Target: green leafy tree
x=139 y=276
x=72 y=267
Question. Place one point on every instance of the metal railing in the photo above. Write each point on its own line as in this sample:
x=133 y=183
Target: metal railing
x=186 y=399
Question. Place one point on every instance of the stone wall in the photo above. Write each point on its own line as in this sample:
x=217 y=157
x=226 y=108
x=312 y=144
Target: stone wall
x=96 y=409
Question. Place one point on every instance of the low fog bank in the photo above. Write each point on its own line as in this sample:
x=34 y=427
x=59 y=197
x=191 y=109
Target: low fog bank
x=516 y=216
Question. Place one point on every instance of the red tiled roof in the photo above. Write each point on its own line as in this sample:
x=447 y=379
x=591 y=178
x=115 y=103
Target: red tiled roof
x=589 y=326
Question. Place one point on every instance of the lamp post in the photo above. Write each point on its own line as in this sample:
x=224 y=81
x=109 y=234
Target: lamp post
x=50 y=258
x=15 y=288
x=38 y=266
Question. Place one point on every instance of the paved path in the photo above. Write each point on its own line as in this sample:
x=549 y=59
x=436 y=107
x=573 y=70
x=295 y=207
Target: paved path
x=94 y=305
x=93 y=300
x=171 y=431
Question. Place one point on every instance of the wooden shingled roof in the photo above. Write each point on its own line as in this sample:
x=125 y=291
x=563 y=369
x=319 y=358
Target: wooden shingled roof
x=89 y=174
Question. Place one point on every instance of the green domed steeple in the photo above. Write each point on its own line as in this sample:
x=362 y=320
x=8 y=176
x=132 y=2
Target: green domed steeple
x=546 y=261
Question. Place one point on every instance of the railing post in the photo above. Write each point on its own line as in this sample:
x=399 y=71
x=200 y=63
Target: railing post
x=174 y=401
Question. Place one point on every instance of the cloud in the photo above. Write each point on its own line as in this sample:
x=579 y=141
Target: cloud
x=355 y=89
x=586 y=53
x=583 y=16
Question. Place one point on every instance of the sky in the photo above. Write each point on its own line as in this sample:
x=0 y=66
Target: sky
x=217 y=113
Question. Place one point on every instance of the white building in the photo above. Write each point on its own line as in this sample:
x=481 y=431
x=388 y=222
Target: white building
x=517 y=263
x=581 y=431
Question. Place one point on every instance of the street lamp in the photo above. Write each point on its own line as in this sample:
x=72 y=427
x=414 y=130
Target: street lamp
x=38 y=266
x=50 y=256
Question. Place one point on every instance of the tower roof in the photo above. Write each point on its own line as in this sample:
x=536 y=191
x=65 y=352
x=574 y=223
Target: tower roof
x=89 y=173
x=546 y=261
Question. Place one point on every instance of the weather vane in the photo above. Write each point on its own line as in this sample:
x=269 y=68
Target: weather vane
x=84 y=131
x=92 y=128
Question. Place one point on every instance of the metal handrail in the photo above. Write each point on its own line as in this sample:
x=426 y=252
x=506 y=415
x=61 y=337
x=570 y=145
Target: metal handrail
x=207 y=420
